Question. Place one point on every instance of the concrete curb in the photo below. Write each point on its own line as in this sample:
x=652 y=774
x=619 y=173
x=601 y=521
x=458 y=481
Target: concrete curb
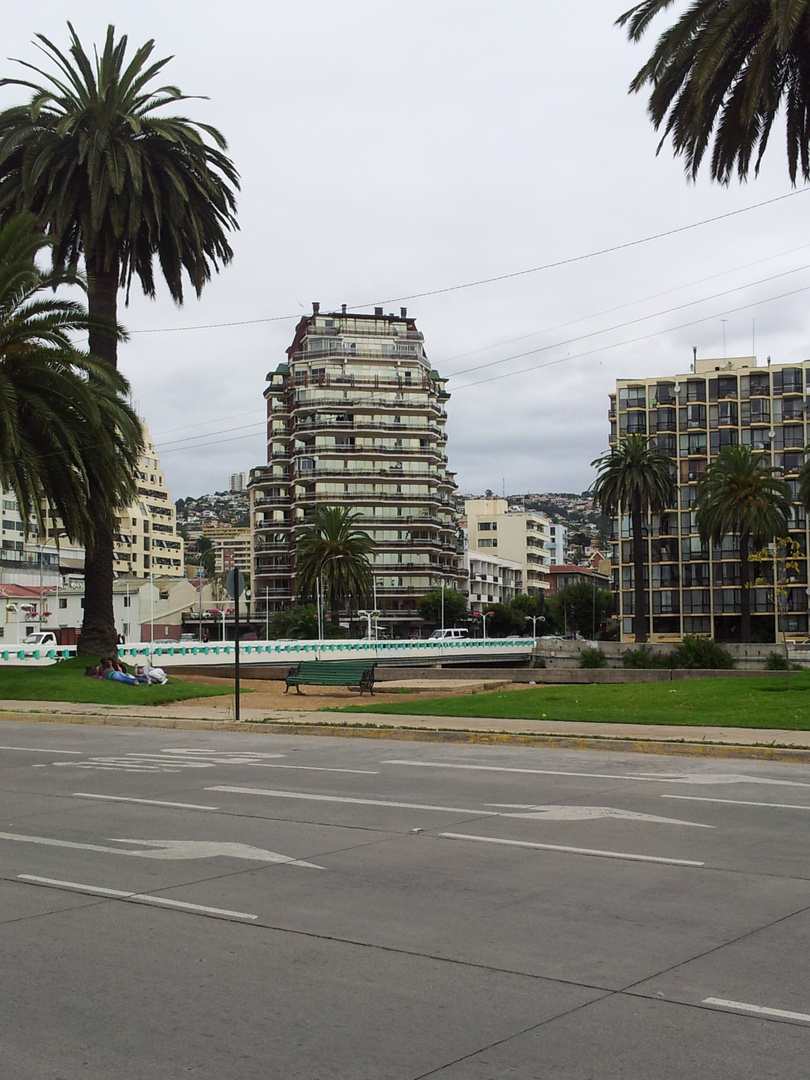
x=675 y=748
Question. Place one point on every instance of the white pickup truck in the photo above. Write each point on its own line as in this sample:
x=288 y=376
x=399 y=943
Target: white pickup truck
x=42 y=637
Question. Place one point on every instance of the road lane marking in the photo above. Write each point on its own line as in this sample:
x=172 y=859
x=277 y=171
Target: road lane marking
x=170 y=849
x=571 y=850
x=737 y=802
x=320 y=768
x=531 y=812
x=680 y=778
x=140 y=898
x=144 y=802
x=39 y=750
x=760 y=1010
x=352 y=801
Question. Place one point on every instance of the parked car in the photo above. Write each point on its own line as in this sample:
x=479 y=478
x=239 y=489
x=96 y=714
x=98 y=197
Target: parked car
x=454 y=634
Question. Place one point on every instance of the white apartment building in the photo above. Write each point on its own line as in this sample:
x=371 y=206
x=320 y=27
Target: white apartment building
x=490 y=579
x=520 y=536
x=557 y=546
x=356 y=418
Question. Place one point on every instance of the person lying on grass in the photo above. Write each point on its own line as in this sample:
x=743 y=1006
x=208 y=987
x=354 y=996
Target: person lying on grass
x=113 y=670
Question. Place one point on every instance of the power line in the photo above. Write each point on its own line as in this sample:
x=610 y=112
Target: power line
x=500 y=277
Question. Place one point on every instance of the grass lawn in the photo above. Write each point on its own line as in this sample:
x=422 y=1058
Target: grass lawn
x=66 y=681
x=749 y=703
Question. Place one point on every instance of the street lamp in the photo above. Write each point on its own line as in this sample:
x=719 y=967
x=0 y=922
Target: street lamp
x=483 y=615
x=535 y=620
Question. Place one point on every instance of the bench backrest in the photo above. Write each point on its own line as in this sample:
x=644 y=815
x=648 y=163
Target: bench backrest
x=349 y=668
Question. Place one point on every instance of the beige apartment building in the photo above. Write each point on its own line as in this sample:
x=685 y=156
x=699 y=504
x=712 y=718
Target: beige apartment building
x=147 y=541
x=521 y=536
x=695 y=588
x=356 y=418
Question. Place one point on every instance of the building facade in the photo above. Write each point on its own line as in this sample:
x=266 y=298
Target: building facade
x=521 y=536
x=356 y=418
x=695 y=588
x=231 y=546
x=148 y=541
x=491 y=579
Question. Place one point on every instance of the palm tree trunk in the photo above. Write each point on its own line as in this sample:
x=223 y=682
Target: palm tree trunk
x=639 y=592
x=99 y=636
x=745 y=591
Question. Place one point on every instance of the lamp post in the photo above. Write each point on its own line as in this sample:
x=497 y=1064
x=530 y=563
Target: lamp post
x=535 y=620
x=483 y=616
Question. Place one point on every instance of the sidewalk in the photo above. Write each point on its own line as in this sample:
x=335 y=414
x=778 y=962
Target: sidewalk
x=754 y=743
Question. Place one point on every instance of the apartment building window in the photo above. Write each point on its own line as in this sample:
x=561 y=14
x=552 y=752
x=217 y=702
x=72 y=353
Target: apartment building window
x=760 y=411
x=636 y=423
x=633 y=397
x=692 y=444
x=666 y=419
x=696 y=574
x=695 y=601
x=488 y=543
x=727 y=413
x=720 y=439
x=695 y=416
x=487 y=526
x=788 y=381
x=759 y=385
x=695 y=390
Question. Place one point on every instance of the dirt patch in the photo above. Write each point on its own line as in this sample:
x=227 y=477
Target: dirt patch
x=269 y=693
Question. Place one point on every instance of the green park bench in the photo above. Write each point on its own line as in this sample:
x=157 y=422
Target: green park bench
x=353 y=674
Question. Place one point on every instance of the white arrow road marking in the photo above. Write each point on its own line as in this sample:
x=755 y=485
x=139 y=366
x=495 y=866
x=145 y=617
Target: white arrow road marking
x=592 y=813
x=570 y=850
x=660 y=778
x=208 y=849
x=737 y=802
x=170 y=849
x=758 y=1009
x=139 y=898
x=353 y=802
x=551 y=813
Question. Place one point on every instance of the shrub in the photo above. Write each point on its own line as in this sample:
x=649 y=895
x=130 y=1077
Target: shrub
x=644 y=657
x=776 y=662
x=592 y=658
x=698 y=652
x=539 y=661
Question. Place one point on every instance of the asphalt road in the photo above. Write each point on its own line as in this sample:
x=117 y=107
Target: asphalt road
x=231 y=907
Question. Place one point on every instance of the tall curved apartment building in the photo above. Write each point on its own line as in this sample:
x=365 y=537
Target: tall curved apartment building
x=356 y=418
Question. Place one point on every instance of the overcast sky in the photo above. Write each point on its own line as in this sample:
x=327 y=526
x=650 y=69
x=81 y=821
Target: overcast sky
x=390 y=148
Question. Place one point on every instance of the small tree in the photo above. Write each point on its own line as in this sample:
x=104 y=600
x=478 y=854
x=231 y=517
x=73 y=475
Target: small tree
x=455 y=607
x=784 y=554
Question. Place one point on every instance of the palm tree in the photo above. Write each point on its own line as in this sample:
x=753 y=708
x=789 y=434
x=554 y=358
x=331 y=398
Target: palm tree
x=741 y=494
x=330 y=549
x=722 y=72
x=115 y=183
x=65 y=427
x=634 y=477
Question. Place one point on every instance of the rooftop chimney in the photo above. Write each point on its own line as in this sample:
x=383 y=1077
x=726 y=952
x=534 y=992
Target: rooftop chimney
x=403 y=311
x=378 y=311
x=343 y=309
x=316 y=307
